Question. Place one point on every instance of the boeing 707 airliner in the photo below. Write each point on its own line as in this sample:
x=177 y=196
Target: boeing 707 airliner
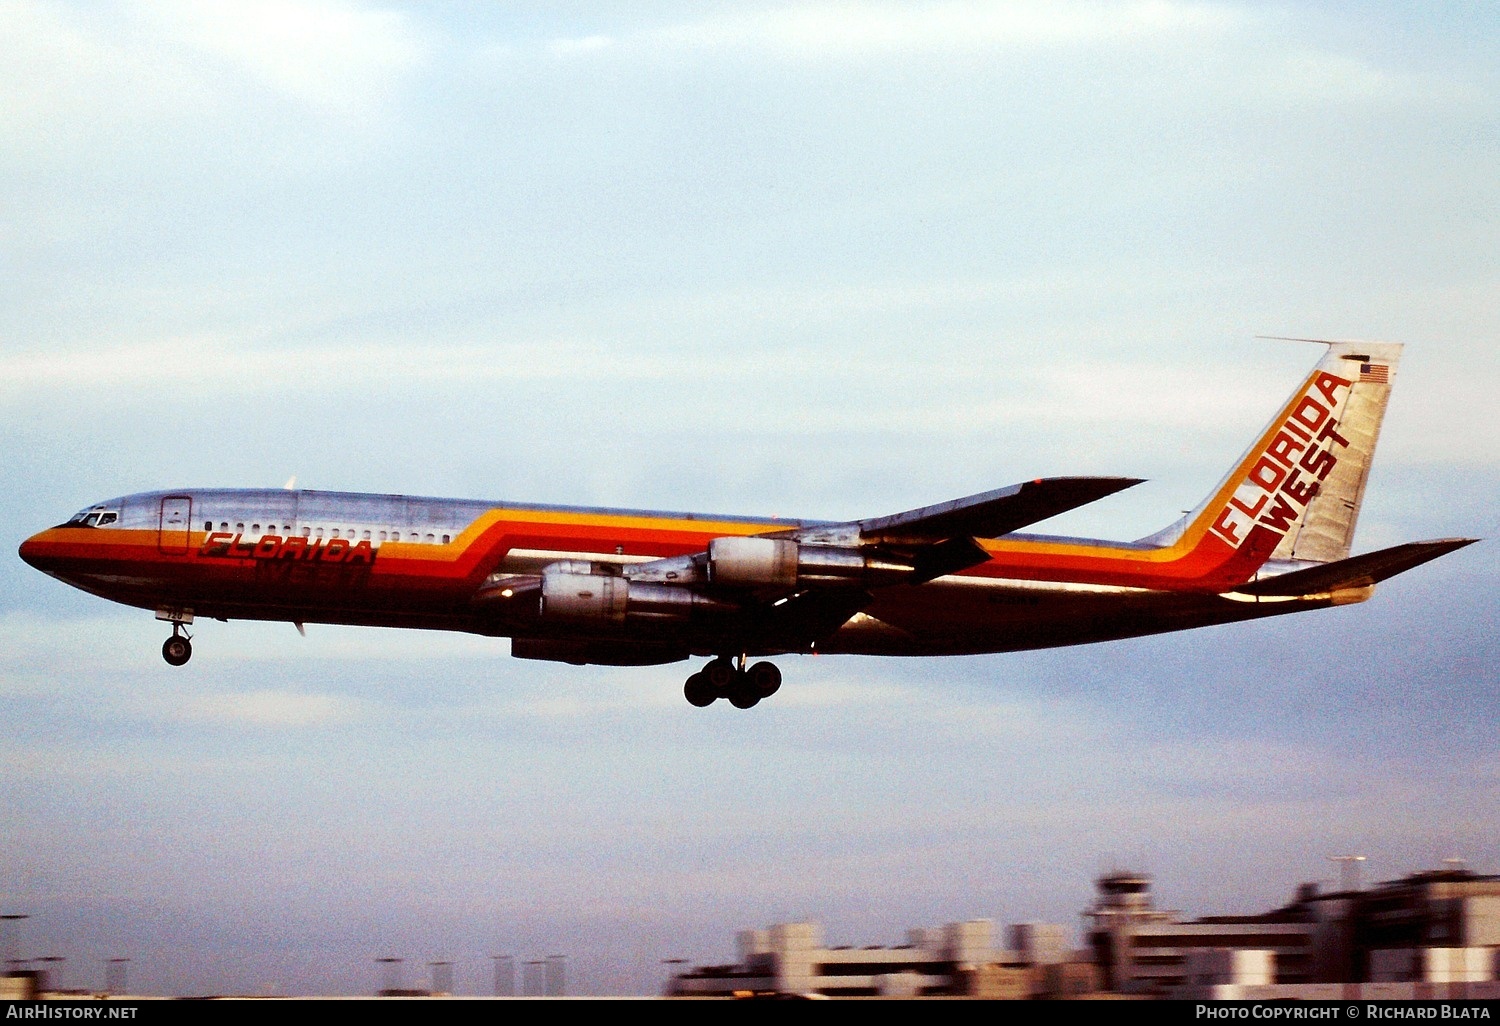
x=628 y=587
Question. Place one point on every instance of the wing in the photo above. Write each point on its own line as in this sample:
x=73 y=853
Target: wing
x=781 y=591
x=940 y=539
x=997 y=513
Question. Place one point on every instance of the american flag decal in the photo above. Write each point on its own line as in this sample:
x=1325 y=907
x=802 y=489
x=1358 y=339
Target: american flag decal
x=1379 y=373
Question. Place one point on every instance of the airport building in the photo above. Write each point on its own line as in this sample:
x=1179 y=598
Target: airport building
x=1439 y=927
x=1429 y=935
x=1141 y=949
x=956 y=959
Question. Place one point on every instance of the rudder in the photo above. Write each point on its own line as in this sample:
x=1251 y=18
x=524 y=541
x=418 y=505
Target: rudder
x=1325 y=531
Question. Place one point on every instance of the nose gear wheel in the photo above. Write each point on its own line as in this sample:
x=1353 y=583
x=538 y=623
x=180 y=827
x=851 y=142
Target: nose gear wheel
x=177 y=649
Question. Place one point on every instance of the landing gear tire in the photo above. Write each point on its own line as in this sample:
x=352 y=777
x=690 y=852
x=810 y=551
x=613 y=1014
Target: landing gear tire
x=764 y=679
x=698 y=692
x=743 y=695
x=720 y=675
x=721 y=678
x=177 y=650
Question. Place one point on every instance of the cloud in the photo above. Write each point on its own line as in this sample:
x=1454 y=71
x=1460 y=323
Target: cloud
x=1324 y=78
x=328 y=54
x=78 y=85
x=266 y=708
x=835 y=30
x=583 y=45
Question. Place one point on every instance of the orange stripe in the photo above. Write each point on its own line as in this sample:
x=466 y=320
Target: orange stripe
x=1195 y=558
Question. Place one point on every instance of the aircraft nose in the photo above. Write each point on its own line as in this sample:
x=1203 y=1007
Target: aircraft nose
x=31 y=552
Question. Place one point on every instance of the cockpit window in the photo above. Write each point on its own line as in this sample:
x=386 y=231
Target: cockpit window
x=93 y=518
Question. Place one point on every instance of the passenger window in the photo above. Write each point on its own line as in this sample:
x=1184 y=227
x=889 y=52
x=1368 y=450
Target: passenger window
x=240 y=528
x=318 y=533
x=307 y=532
x=365 y=535
x=445 y=539
x=224 y=525
x=429 y=539
x=334 y=533
x=382 y=536
x=208 y=525
x=255 y=529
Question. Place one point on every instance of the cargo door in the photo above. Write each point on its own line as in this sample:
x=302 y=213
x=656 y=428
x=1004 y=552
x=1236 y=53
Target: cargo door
x=176 y=524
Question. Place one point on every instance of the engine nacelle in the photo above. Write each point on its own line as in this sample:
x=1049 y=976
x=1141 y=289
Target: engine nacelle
x=782 y=563
x=583 y=596
x=584 y=652
x=755 y=562
x=571 y=593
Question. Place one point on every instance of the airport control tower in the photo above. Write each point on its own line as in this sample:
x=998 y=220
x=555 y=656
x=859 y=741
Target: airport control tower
x=1123 y=906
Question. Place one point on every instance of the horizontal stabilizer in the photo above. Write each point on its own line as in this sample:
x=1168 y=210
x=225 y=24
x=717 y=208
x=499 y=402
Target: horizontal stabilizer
x=1356 y=572
x=993 y=514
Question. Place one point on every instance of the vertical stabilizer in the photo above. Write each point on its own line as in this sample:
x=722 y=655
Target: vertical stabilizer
x=1325 y=531
x=1295 y=493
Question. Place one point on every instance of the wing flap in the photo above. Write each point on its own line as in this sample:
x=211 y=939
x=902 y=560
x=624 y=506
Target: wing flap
x=1355 y=572
x=945 y=557
x=807 y=617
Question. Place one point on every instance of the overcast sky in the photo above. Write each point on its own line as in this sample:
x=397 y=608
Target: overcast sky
x=824 y=260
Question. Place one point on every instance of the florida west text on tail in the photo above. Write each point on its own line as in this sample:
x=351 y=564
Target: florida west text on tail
x=629 y=587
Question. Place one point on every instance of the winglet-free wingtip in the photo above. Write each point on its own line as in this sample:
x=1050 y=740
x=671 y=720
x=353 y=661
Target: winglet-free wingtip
x=1357 y=571
x=1080 y=491
x=1120 y=483
x=1091 y=489
x=1047 y=497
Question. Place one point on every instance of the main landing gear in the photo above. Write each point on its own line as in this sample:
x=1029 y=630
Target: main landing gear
x=727 y=678
x=177 y=649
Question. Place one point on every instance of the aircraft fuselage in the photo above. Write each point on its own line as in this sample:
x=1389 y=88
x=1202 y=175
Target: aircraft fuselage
x=633 y=587
x=403 y=561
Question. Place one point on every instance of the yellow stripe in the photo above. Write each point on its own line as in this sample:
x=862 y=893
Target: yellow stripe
x=471 y=534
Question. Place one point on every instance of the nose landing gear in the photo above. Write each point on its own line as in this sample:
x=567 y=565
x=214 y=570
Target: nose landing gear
x=725 y=678
x=177 y=649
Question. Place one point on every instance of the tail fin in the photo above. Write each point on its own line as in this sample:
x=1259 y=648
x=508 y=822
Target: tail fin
x=1325 y=531
x=1296 y=492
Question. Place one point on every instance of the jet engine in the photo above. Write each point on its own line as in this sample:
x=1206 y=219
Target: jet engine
x=576 y=591
x=783 y=563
